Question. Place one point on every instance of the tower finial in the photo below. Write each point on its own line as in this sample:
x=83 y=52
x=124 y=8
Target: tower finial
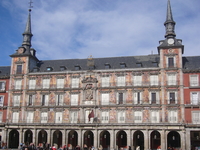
x=27 y=35
x=169 y=23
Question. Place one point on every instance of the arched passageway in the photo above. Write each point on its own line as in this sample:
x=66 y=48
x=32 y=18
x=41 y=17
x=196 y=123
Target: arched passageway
x=88 y=138
x=155 y=140
x=138 y=140
x=173 y=139
x=121 y=139
x=105 y=140
x=42 y=138
x=73 y=139
x=13 y=139
x=28 y=137
x=57 y=138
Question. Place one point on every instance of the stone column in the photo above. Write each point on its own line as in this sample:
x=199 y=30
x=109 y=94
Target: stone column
x=95 y=138
x=187 y=139
x=34 y=136
x=80 y=138
x=21 y=139
x=67 y=132
x=129 y=138
x=112 y=139
x=163 y=139
x=146 y=139
x=64 y=137
x=49 y=136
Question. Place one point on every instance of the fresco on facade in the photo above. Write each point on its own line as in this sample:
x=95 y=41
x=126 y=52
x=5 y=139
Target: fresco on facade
x=51 y=117
x=129 y=114
x=37 y=116
x=146 y=115
x=66 y=116
x=52 y=99
x=37 y=98
x=113 y=115
x=129 y=99
x=39 y=81
x=113 y=97
x=53 y=82
x=67 y=98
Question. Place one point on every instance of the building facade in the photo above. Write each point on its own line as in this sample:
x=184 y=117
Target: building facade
x=148 y=101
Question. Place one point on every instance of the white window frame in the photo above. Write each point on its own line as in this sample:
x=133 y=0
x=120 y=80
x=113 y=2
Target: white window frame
x=1 y=100
x=45 y=83
x=18 y=84
x=155 y=116
x=105 y=117
x=194 y=80
x=31 y=100
x=123 y=97
x=105 y=98
x=167 y=61
x=195 y=98
x=3 y=85
x=176 y=96
x=105 y=81
x=60 y=82
x=74 y=116
x=46 y=100
x=121 y=116
x=44 y=117
x=15 y=117
x=59 y=99
x=59 y=117
x=87 y=112
x=30 y=116
x=196 y=117
x=1 y=116
x=172 y=116
x=153 y=80
x=121 y=80
x=75 y=83
x=136 y=101
x=16 y=100
x=137 y=80
x=32 y=84
x=74 y=99
x=157 y=97
x=172 y=79
x=138 y=116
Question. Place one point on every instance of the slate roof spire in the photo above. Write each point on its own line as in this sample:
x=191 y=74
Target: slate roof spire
x=27 y=35
x=169 y=23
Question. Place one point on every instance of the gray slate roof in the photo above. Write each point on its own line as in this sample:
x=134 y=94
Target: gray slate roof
x=4 y=71
x=99 y=63
x=191 y=63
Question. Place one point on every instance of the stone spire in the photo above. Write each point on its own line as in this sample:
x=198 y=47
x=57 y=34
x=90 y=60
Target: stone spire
x=169 y=23
x=27 y=35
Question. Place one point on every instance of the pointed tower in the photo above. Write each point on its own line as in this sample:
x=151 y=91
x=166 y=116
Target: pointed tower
x=27 y=35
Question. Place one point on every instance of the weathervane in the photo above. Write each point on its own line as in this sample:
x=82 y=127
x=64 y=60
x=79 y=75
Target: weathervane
x=30 y=5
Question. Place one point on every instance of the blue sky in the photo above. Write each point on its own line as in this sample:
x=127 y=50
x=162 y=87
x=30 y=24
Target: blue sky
x=64 y=29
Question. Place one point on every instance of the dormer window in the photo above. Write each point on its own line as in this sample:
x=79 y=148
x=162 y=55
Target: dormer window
x=107 y=66
x=62 y=68
x=19 y=69
x=77 y=68
x=49 y=68
x=139 y=64
x=122 y=65
x=35 y=70
x=155 y=64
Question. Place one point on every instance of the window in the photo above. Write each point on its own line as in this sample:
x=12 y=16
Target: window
x=60 y=83
x=74 y=99
x=75 y=82
x=19 y=69
x=59 y=100
x=172 y=116
x=105 y=117
x=58 y=117
x=137 y=80
x=45 y=83
x=139 y=65
x=171 y=62
x=1 y=100
x=121 y=81
x=155 y=116
x=16 y=100
x=138 y=117
x=32 y=83
x=77 y=68
x=62 y=68
x=1 y=117
x=196 y=117
x=122 y=65
x=107 y=66
x=105 y=81
x=29 y=117
x=194 y=80
x=194 y=98
x=74 y=116
x=87 y=112
x=172 y=98
x=171 y=79
x=49 y=68
x=154 y=64
x=154 y=98
x=138 y=97
x=2 y=86
x=15 y=117
x=44 y=117
x=45 y=100
x=121 y=117
x=105 y=99
x=31 y=99
x=154 y=79
x=120 y=98
x=18 y=84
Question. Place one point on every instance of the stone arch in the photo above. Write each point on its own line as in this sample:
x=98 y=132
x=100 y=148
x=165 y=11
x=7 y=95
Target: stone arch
x=13 y=139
